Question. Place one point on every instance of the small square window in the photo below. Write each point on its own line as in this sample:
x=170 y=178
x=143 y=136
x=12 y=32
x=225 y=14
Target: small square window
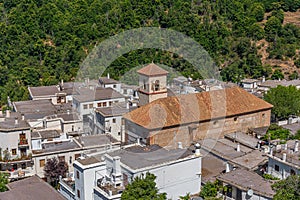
x=277 y=168
x=114 y=120
x=85 y=106
x=104 y=104
x=110 y=103
x=90 y=105
x=119 y=133
x=42 y=162
x=14 y=152
x=263 y=115
x=235 y=119
x=115 y=86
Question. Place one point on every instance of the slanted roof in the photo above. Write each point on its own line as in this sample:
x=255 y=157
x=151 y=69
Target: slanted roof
x=191 y=108
x=118 y=109
x=45 y=134
x=250 y=161
x=32 y=188
x=88 y=95
x=43 y=91
x=245 y=180
x=9 y=123
x=105 y=80
x=152 y=70
x=249 y=80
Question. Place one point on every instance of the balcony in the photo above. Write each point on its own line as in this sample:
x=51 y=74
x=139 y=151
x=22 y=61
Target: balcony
x=23 y=142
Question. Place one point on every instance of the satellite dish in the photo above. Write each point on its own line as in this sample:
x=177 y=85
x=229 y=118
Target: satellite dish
x=250 y=192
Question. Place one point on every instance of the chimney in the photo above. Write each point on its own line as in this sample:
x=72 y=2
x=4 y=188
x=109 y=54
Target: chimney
x=16 y=121
x=285 y=146
x=117 y=166
x=7 y=113
x=180 y=145
x=108 y=76
x=138 y=141
x=227 y=167
x=197 y=150
x=238 y=148
x=62 y=82
x=296 y=148
x=284 y=157
x=271 y=151
x=127 y=105
x=263 y=79
x=258 y=145
x=23 y=117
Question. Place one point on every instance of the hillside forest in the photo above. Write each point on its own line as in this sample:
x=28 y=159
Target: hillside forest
x=44 y=41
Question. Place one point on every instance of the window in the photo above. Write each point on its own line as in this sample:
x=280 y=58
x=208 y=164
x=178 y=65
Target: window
x=90 y=105
x=114 y=120
x=78 y=193
x=42 y=162
x=110 y=103
x=61 y=158
x=14 y=151
x=119 y=133
x=77 y=175
x=263 y=115
x=124 y=91
x=70 y=160
x=276 y=168
x=293 y=172
x=99 y=104
x=235 y=119
x=156 y=85
x=85 y=106
x=144 y=85
x=114 y=86
x=104 y=104
x=77 y=156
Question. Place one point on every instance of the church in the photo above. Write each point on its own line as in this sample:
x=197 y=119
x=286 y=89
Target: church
x=166 y=121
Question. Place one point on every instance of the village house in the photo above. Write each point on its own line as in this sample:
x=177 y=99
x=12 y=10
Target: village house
x=105 y=176
x=88 y=99
x=107 y=82
x=192 y=117
x=284 y=160
x=109 y=120
x=244 y=185
x=15 y=144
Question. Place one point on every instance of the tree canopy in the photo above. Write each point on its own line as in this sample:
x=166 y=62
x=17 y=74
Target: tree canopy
x=288 y=189
x=286 y=101
x=3 y=182
x=55 y=168
x=43 y=42
x=143 y=188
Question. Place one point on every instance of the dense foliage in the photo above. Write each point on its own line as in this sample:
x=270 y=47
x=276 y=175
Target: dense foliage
x=53 y=169
x=3 y=182
x=288 y=189
x=44 y=41
x=277 y=132
x=286 y=101
x=143 y=187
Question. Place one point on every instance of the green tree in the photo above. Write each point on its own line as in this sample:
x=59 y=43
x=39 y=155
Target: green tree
x=286 y=101
x=143 y=187
x=209 y=190
x=277 y=74
x=272 y=28
x=288 y=189
x=3 y=182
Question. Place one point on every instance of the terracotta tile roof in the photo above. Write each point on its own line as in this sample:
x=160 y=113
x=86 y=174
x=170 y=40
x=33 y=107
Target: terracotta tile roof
x=185 y=109
x=152 y=70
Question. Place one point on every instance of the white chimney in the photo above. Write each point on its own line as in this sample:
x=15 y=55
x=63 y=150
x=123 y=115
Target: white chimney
x=296 y=148
x=258 y=145
x=16 y=121
x=271 y=151
x=197 y=150
x=284 y=157
x=138 y=141
x=127 y=105
x=227 y=167
x=108 y=76
x=62 y=82
x=117 y=166
x=238 y=148
x=23 y=117
x=180 y=145
x=285 y=146
x=7 y=113
x=263 y=79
